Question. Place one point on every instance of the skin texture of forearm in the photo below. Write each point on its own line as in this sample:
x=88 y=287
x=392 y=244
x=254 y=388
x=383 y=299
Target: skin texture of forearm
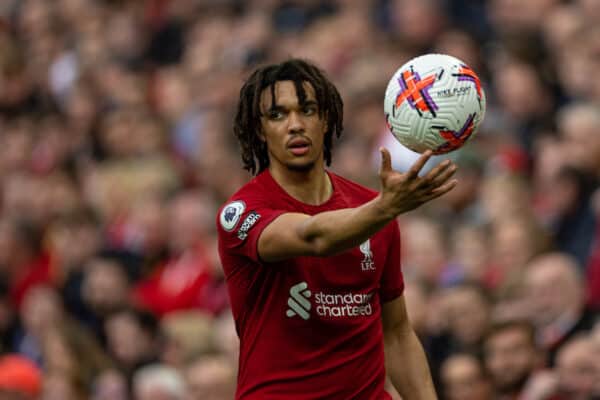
x=335 y=231
x=407 y=367
x=331 y=232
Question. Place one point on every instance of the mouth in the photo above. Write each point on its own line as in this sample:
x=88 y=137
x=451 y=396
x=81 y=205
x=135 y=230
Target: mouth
x=299 y=147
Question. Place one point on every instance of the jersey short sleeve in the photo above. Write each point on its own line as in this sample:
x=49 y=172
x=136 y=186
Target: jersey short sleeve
x=392 y=281
x=240 y=223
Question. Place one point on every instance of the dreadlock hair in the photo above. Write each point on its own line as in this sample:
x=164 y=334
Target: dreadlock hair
x=247 y=124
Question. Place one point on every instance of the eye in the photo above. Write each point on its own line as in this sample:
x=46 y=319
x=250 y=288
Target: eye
x=275 y=114
x=309 y=110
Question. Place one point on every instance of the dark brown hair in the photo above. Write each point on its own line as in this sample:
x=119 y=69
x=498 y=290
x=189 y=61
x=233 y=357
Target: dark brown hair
x=247 y=120
x=500 y=327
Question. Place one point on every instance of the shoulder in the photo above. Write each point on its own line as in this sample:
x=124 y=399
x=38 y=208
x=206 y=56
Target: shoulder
x=252 y=196
x=350 y=188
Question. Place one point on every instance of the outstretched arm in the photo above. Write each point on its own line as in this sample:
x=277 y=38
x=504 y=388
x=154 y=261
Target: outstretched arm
x=327 y=233
x=405 y=361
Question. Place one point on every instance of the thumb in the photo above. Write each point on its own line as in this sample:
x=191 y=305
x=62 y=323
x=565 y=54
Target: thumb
x=386 y=161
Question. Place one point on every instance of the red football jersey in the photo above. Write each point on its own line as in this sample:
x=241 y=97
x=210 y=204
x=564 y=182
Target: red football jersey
x=309 y=327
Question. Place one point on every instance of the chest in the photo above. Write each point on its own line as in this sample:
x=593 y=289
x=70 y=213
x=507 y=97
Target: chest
x=360 y=267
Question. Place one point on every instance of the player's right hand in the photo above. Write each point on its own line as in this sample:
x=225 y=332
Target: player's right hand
x=402 y=192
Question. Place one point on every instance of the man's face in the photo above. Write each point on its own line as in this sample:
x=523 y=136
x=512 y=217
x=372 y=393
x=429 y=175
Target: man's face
x=463 y=379
x=578 y=369
x=581 y=143
x=294 y=132
x=127 y=341
x=467 y=314
x=212 y=378
x=510 y=357
x=542 y=282
x=104 y=286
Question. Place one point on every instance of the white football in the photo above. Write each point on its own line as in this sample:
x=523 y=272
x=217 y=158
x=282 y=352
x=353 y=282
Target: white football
x=434 y=102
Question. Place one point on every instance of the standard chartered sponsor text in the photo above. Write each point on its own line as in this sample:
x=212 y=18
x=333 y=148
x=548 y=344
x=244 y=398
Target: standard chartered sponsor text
x=343 y=305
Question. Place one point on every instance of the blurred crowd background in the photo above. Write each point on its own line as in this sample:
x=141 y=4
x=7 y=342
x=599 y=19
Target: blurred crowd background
x=116 y=149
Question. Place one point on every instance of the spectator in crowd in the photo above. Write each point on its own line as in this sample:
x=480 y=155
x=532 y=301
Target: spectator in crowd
x=557 y=317
x=571 y=216
x=470 y=255
x=464 y=312
x=211 y=377
x=143 y=235
x=465 y=378
x=73 y=358
x=109 y=385
x=225 y=337
x=425 y=251
x=515 y=240
x=42 y=309
x=104 y=290
x=468 y=313
x=577 y=123
x=465 y=315
x=188 y=278
x=461 y=205
x=158 y=382
x=578 y=369
x=133 y=339
x=78 y=225
x=511 y=357
x=187 y=335
x=58 y=386
x=23 y=262
x=503 y=195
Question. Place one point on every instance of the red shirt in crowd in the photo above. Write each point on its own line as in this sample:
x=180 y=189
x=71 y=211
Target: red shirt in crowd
x=309 y=327
x=36 y=272
x=593 y=272
x=183 y=282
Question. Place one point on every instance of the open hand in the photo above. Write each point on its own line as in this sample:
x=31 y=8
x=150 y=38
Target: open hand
x=401 y=192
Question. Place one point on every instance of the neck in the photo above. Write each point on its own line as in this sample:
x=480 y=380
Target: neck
x=311 y=187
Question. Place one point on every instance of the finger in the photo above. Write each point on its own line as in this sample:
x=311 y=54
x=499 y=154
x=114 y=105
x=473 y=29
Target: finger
x=386 y=161
x=433 y=176
x=414 y=170
x=443 y=176
x=438 y=169
x=442 y=190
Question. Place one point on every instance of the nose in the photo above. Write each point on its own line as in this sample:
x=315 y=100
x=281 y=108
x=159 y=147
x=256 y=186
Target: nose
x=295 y=122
